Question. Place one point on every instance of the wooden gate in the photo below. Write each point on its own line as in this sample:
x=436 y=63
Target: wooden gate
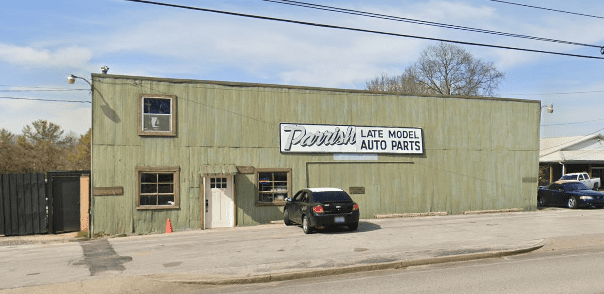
x=23 y=205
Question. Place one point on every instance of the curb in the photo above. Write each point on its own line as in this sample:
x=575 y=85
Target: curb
x=404 y=215
x=267 y=278
x=492 y=211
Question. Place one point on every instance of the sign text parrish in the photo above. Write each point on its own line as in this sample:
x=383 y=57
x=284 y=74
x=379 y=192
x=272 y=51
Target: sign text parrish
x=350 y=139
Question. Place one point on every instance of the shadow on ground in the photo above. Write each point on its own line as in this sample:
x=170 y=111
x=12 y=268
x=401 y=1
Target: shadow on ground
x=565 y=208
x=363 y=227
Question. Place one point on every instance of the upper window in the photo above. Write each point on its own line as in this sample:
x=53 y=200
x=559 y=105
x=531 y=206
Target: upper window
x=157 y=115
x=274 y=185
x=157 y=187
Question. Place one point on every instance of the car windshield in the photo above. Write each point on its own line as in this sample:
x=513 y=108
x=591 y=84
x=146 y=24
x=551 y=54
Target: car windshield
x=331 y=196
x=574 y=186
x=569 y=177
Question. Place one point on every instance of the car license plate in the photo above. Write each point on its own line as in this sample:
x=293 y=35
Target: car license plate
x=339 y=219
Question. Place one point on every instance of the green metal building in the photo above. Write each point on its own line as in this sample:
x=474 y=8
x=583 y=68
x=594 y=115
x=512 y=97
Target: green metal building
x=207 y=154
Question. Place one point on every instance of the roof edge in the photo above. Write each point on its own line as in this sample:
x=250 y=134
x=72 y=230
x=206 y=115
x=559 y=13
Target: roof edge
x=574 y=142
x=276 y=86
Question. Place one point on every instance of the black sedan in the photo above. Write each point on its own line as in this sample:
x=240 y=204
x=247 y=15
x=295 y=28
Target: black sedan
x=572 y=194
x=316 y=208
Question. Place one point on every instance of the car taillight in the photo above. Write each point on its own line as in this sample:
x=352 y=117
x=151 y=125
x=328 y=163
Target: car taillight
x=355 y=207
x=318 y=209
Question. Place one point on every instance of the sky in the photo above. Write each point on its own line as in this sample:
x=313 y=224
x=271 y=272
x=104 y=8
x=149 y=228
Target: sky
x=42 y=42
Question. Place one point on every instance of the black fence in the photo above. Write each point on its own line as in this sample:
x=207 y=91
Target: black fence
x=30 y=204
x=23 y=204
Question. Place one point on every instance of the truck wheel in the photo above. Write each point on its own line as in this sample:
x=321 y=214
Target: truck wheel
x=596 y=187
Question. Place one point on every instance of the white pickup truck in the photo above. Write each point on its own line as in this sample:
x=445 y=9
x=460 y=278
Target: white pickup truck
x=593 y=183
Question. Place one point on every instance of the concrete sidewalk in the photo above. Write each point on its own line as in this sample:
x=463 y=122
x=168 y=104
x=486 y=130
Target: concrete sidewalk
x=277 y=252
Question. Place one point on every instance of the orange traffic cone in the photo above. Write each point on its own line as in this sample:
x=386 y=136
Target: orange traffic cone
x=168 y=226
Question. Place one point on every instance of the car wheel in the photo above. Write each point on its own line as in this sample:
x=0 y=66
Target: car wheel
x=306 y=225
x=541 y=202
x=596 y=187
x=286 y=219
x=353 y=227
x=572 y=202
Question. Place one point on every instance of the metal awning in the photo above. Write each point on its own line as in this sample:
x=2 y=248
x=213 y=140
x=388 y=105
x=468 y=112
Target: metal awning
x=218 y=169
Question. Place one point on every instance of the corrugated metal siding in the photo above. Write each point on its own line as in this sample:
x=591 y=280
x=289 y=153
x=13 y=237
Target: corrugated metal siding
x=477 y=151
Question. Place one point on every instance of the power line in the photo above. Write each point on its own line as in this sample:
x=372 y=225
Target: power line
x=561 y=93
x=45 y=100
x=422 y=22
x=360 y=30
x=572 y=123
x=46 y=90
x=548 y=9
x=35 y=87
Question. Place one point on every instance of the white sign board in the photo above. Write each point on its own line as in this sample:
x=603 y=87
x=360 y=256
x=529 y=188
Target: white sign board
x=298 y=138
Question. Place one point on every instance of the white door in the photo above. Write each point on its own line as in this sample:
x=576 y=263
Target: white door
x=219 y=202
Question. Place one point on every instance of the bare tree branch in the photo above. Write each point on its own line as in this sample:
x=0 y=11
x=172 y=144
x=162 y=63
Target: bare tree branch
x=444 y=69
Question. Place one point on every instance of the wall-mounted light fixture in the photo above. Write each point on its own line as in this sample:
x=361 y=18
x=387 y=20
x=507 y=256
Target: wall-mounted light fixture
x=550 y=108
x=71 y=79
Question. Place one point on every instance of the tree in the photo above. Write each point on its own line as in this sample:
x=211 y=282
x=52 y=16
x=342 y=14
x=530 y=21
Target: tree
x=444 y=69
x=43 y=131
x=42 y=148
x=397 y=84
x=7 y=149
x=46 y=146
x=80 y=157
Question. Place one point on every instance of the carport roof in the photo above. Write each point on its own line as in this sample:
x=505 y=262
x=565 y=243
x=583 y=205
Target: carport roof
x=572 y=149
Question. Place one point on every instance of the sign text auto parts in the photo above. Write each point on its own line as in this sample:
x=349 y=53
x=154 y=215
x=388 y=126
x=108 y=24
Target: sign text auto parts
x=350 y=139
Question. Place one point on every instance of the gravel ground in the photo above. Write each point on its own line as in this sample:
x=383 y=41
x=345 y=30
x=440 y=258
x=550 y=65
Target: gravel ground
x=37 y=239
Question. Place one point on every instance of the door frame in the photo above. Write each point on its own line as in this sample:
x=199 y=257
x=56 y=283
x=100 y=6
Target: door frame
x=205 y=179
x=55 y=200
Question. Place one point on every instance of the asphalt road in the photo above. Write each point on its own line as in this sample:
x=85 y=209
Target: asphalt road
x=558 y=271
x=163 y=263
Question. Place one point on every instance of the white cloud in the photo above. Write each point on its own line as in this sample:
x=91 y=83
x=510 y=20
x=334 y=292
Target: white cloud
x=447 y=11
x=297 y=54
x=70 y=116
x=28 y=56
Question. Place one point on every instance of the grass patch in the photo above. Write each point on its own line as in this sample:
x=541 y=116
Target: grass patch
x=82 y=234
